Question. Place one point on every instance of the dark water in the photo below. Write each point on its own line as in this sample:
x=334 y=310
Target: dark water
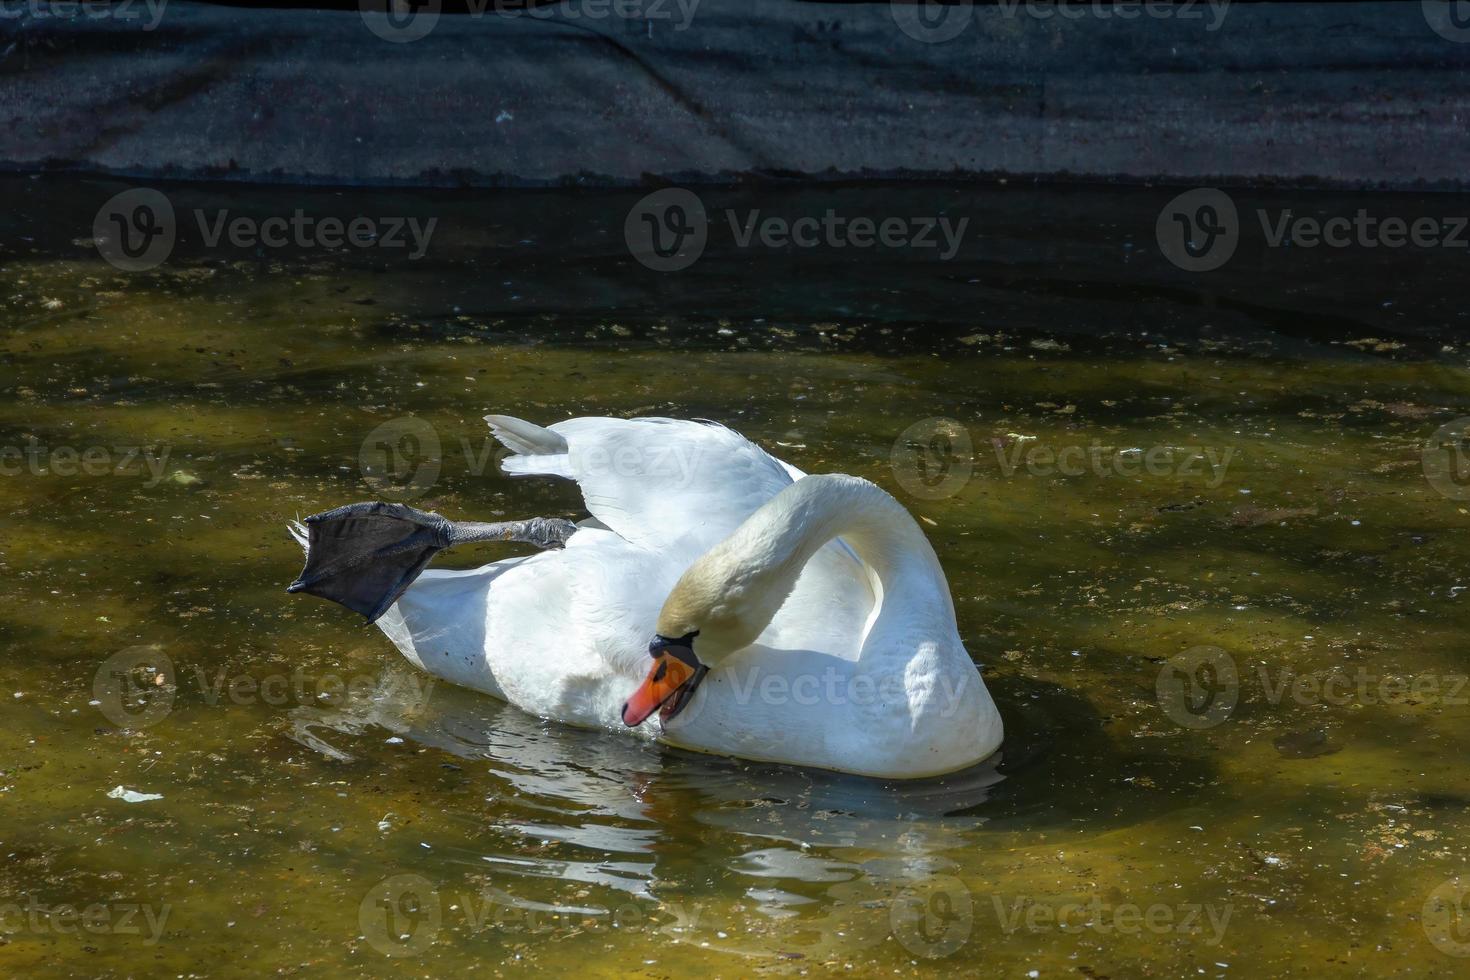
x=1206 y=533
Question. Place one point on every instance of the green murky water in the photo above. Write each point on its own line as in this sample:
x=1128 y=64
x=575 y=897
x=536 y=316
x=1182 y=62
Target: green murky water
x=1186 y=519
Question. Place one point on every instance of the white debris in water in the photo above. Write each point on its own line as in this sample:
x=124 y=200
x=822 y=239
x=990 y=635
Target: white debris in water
x=395 y=740
x=130 y=796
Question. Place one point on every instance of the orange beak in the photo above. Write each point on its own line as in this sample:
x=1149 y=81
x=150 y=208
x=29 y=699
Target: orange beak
x=666 y=678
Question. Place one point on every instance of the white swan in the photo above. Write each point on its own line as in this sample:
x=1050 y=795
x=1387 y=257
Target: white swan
x=794 y=619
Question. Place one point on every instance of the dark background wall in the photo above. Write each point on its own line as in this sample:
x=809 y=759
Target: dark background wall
x=1347 y=94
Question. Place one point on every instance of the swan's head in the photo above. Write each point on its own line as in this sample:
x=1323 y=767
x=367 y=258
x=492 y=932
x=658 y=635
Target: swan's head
x=719 y=606
x=671 y=681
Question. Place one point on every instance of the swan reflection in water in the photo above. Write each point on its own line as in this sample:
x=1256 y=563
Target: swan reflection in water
x=757 y=859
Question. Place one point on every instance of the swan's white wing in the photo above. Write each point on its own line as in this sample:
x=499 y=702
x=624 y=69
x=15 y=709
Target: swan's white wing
x=655 y=482
x=561 y=634
x=677 y=488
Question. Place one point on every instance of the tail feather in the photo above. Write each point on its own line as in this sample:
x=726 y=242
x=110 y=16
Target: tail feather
x=540 y=452
x=524 y=437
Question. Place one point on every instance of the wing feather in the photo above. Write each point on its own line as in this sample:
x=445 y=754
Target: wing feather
x=656 y=482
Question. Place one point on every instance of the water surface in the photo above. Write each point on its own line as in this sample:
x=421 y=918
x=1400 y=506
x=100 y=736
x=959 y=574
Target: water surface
x=1227 y=466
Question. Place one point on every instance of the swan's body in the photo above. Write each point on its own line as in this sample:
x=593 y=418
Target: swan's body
x=819 y=608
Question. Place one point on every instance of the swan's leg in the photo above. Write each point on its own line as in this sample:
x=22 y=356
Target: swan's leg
x=364 y=556
x=543 y=532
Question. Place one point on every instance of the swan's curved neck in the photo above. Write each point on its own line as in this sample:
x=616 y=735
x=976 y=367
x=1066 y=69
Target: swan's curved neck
x=733 y=591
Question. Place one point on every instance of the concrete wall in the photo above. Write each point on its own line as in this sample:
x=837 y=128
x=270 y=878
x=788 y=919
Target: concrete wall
x=1360 y=94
